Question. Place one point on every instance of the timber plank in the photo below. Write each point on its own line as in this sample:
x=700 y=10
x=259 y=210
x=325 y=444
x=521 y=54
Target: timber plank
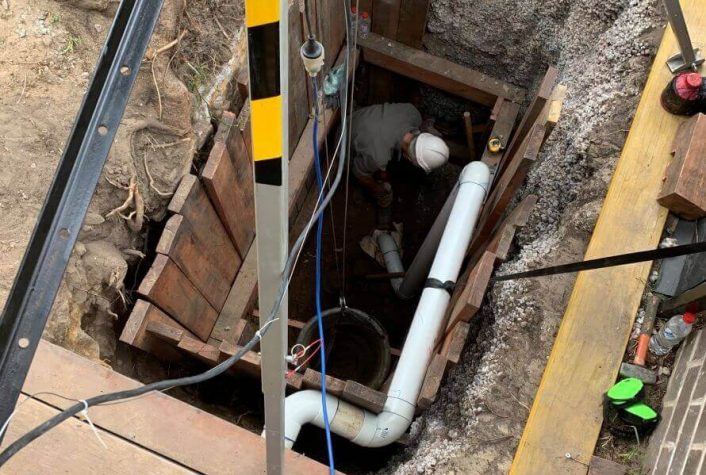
x=166 y=286
x=683 y=189
x=432 y=382
x=385 y=20
x=412 y=22
x=436 y=71
x=230 y=191
x=471 y=299
x=455 y=342
x=298 y=79
x=501 y=242
x=243 y=294
x=502 y=129
x=312 y=380
x=240 y=301
x=363 y=396
x=191 y=201
x=156 y=422
x=72 y=448
x=586 y=358
x=202 y=264
x=530 y=119
x=249 y=363
x=332 y=31
x=507 y=186
x=135 y=332
x=166 y=332
x=552 y=110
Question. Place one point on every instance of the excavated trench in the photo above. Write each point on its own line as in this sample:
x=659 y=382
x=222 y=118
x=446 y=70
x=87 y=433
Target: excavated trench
x=603 y=51
x=418 y=200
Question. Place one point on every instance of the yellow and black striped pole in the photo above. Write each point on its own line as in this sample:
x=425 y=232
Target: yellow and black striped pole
x=268 y=56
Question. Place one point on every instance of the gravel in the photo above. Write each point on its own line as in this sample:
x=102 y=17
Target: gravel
x=603 y=50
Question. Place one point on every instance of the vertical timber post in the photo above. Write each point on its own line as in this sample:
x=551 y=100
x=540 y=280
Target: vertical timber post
x=268 y=55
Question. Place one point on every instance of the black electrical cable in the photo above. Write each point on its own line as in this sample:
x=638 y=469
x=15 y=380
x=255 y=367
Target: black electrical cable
x=312 y=35
x=610 y=261
x=23 y=441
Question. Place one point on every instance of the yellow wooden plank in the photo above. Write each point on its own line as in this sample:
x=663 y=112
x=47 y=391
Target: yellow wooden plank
x=566 y=414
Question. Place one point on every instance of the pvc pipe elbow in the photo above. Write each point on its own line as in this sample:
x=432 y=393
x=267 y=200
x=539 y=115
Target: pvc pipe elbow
x=381 y=429
x=304 y=407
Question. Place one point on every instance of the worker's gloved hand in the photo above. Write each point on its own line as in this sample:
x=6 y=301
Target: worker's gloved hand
x=383 y=195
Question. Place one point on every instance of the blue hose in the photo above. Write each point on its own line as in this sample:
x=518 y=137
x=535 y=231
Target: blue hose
x=319 y=319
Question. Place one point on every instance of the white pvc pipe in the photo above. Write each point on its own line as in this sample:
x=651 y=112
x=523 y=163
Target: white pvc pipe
x=391 y=255
x=376 y=430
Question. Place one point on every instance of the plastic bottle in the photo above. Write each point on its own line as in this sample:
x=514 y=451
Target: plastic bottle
x=671 y=334
x=364 y=25
x=354 y=20
x=682 y=94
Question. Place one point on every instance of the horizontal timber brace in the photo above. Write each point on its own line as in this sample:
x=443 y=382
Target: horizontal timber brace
x=437 y=72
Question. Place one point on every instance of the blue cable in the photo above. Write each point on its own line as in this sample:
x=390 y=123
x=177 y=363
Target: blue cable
x=319 y=319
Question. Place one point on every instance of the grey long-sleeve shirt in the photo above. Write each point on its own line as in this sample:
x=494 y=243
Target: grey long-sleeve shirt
x=376 y=133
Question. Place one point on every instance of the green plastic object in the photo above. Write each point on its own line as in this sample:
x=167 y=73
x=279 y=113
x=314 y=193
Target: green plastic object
x=333 y=81
x=626 y=390
x=642 y=411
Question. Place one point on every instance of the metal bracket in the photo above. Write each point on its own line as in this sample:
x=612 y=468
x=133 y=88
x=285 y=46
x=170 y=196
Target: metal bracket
x=39 y=276
x=689 y=58
x=677 y=64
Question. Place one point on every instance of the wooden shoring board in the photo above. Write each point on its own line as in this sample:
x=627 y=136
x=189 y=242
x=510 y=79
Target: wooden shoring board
x=532 y=117
x=348 y=390
x=596 y=326
x=166 y=286
x=228 y=180
x=243 y=294
x=191 y=201
x=505 y=189
x=331 y=28
x=163 y=427
x=505 y=119
x=200 y=262
x=412 y=22
x=299 y=106
x=386 y=17
x=470 y=300
x=436 y=72
x=135 y=331
x=501 y=241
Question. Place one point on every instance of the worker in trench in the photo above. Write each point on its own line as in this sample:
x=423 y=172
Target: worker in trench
x=385 y=132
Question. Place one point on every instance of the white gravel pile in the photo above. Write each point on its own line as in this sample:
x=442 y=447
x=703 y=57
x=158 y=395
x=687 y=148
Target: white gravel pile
x=603 y=49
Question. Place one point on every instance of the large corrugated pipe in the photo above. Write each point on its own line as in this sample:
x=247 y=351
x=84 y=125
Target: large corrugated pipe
x=376 y=430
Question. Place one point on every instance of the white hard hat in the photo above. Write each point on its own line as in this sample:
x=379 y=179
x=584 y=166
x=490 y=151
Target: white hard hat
x=429 y=152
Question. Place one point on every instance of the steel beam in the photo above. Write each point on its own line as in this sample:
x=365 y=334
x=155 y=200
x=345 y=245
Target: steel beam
x=42 y=268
